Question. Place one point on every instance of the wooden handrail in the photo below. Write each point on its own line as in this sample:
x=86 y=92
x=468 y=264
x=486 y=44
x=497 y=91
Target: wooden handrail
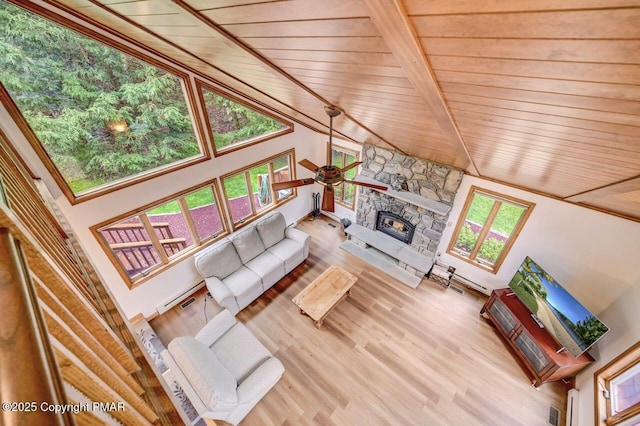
x=139 y=244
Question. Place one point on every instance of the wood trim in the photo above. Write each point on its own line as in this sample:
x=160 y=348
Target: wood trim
x=28 y=367
x=200 y=85
x=620 y=187
x=276 y=203
x=345 y=151
x=183 y=254
x=486 y=227
x=500 y=198
x=398 y=33
x=616 y=366
x=139 y=53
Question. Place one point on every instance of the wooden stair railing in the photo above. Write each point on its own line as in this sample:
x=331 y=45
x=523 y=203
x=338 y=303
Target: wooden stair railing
x=93 y=351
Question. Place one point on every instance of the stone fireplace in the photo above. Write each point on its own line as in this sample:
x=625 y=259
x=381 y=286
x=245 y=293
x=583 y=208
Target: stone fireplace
x=396 y=226
x=433 y=183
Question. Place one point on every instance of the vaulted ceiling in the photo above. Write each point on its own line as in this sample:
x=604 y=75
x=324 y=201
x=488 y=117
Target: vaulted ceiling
x=540 y=94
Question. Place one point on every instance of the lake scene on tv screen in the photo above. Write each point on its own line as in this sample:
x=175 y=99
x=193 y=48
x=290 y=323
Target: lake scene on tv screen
x=573 y=326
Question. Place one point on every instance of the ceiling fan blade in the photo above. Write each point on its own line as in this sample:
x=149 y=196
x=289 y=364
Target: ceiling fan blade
x=369 y=185
x=291 y=184
x=328 y=203
x=351 y=166
x=308 y=165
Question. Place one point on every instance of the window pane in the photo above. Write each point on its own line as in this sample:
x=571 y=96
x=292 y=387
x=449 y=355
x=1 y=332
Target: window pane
x=238 y=197
x=501 y=228
x=475 y=220
x=281 y=173
x=204 y=213
x=232 y=123
x=349 y=193
x=170 y=227
x=336 y=158
x=260 y=186
x=131 y=245
x=101 y=115
x=625 y=390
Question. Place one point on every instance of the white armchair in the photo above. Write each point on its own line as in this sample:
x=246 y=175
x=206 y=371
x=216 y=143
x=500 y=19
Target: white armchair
x=225 y=370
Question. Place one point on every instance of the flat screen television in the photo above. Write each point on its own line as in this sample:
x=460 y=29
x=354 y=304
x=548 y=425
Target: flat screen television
x=571 y=324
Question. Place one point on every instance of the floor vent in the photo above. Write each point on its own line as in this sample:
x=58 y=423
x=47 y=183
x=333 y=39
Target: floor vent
x=456 y=289
x=554 y=416
x=187 y=302
x=331 y=225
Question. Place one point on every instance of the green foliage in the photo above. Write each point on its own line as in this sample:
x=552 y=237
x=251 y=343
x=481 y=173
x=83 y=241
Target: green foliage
x=504 y=222
x=466 y=238
x=234 y=123
x=491 y=249
x=520 y=286
x=590 y=329
x=72 y=89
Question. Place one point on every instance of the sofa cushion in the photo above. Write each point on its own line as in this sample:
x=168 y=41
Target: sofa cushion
x=271 y=229
x=219 y=260
x=210 y=379
x=240 y=351
x=291 y=253
x=270 y=268
x=247 y=244
x=243 y=281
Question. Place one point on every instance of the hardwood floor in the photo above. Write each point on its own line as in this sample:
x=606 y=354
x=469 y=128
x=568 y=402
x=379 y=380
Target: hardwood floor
x=387 y=355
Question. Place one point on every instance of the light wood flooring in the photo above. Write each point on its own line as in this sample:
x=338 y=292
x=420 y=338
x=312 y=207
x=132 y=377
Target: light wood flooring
x=387 y=355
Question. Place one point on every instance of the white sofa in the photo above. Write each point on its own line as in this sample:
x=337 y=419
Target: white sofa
x=224 y=370
x=242 y=266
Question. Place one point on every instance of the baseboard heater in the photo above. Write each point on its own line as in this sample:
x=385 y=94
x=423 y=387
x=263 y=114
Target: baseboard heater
x=471 y=284
x=573 y=397
x=178 y=298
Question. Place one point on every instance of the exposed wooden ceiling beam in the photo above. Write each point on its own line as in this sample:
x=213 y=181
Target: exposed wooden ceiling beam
x=628 y=185
x=393 y=24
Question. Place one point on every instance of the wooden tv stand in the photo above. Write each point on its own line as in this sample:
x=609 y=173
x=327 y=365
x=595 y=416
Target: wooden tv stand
x=543 y=358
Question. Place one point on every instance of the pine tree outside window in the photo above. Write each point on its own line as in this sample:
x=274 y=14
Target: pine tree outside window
x=101 y=117
x=233 y=125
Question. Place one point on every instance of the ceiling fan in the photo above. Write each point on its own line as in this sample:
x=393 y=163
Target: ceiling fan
x=327 y=175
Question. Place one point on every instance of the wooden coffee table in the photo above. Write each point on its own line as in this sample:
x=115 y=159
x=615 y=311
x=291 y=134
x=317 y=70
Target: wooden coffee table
x=320 y=297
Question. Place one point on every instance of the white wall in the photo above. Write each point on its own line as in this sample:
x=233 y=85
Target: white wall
x=593 y=255
x=147 y=296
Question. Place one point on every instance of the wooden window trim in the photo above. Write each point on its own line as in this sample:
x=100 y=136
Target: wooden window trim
x=276 y=202
x=138 y=53
x=500 y=199
x=356 y=154
x=166 y=262
x=249 y=142
x=602 y=378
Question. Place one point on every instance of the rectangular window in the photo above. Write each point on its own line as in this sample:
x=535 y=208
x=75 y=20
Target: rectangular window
x=98 y=117
x=617 y=390
x=233 y=124
x=487 y=228
x=345 y=193
x=146 y=241
x=248 y=191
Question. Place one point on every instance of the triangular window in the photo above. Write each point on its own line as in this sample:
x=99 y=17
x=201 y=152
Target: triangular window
x=233 y=124
x=101 y=118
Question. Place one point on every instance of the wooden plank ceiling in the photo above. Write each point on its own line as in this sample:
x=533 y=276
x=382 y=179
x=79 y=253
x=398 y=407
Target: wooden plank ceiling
x=542 y=94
